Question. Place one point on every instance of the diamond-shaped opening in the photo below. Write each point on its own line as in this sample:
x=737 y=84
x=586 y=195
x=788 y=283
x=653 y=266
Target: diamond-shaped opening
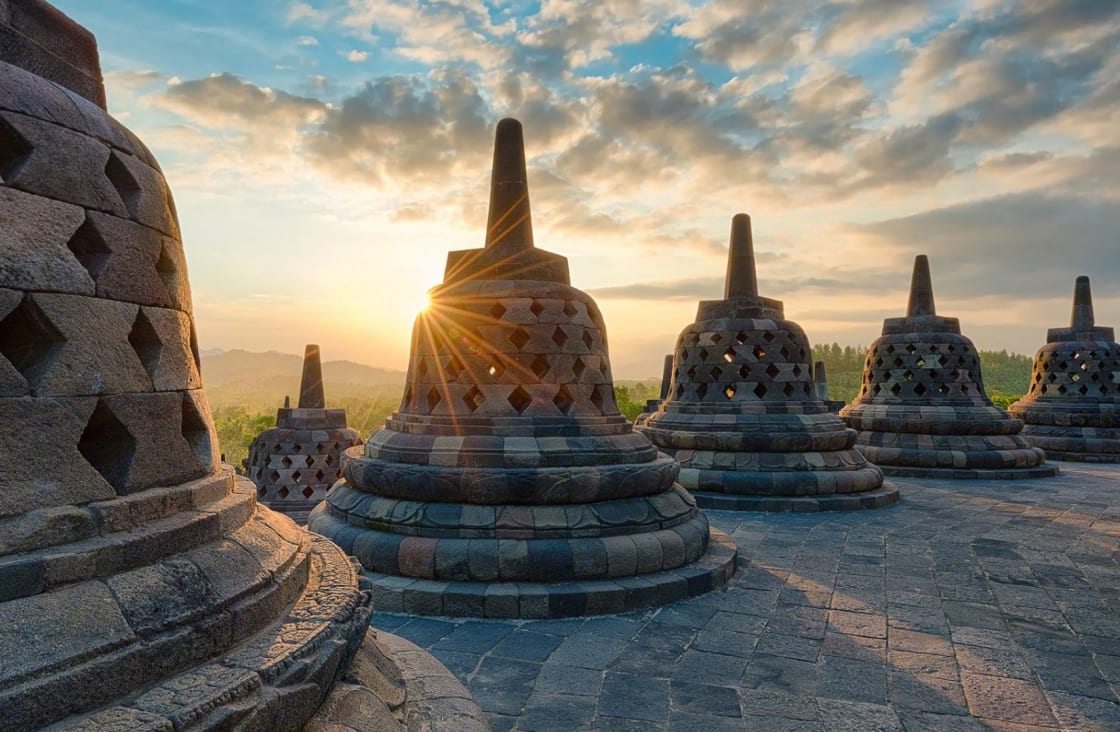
x=717 y=373
x=473 y=398
x=145 y=341
x=877 y=389
x=785 y=352
x=433 y=398
x=760 y=391
x=283 y=491
x=286 y=462
x=422 y=369
x=908 y=375
x=772 y=370
x=797 y=369
x=127 y=187
x=309 y=461
x=578 y=368
x=702 y=391
x=768 y=337
x=1083 y=389
x=497 y=311
x=1095 y=377
x=15 y=151
x=297 y=447
x=597 y=398
x=1052 y=377
x=520 y=400
x=919 y=389
x=319 y=475
x=740 y=338
x=897 y=361
x=964 y=349
x=729 y=391
x=559 y=337
x=308 y=491
x=920 y=363
x=895 y=389
x=297 y=476
x=107 y=445
x=90 y=249
x=703 y=354
x=878 y=362
x=166 y=269
x=942 y=389
x=758 y=352
x=1084 y=366
x=1043 y=389
x=694 y=339
x=910 y=348
x=952 y=348
x=691 y=372
x=195 y=430
x=964 y=388
x=729 y=354
x=588 y=340
x=716 y=338
x=328 y=460
x=519 y=338
x=29 y=341
x=496 y=369
x=1062 y=389
x=570 y=309
x=540 y=366
x=890 y=348
x=563 y=400
x=745 y=371
x=788 y=389
x=454 y=368
x=1075 y=376
x=536 y=308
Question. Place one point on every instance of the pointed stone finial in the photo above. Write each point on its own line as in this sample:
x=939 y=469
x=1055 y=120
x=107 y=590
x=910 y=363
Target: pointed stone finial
x=666 y=376
x=287 y=402
x=1082 y=317
x=510 y=221
x=311 y=384
x=742 y=280
x=921 y=289
x=819 y=375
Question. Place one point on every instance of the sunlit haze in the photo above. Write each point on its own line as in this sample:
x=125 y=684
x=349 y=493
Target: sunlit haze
x=326 y=155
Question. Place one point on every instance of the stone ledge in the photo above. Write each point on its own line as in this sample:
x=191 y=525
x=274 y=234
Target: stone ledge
x=1041 y=471
x=887 y=495
x=513 y=600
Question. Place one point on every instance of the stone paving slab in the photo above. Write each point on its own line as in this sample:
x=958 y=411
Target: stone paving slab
x=977 y=605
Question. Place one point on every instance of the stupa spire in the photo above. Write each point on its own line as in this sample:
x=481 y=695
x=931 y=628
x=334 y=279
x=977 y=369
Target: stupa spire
x=1082 y=316
x=311 y=383
x=921 y=289
x=742 y=279
x=510 y=220
x=666 y=376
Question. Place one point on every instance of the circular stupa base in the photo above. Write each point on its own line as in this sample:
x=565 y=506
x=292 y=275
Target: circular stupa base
x=1038 y=471
x=886 y=495
x=537 y=600
x=1083 y=457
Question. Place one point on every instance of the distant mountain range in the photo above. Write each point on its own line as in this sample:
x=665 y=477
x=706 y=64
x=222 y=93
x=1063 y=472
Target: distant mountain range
x=262 y=380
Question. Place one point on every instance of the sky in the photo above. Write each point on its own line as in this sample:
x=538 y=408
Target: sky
x=325 y=155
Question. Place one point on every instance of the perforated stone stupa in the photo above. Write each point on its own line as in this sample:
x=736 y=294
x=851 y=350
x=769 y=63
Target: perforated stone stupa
x=294 y=463
x=922 y=409
x=742 y=415
x=508 y=484
x=1072 y=410
x=141 y=586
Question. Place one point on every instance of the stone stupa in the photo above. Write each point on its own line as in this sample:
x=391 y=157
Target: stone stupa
x=296 y=462
x=651 y=405
x=742 y=415
x=922 y=409
x=1072 y=410
x=141 y=586
x=508 y=484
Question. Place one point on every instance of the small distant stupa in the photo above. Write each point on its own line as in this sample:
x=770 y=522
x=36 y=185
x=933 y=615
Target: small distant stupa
x=1072 y=410
x=922 y=409
x=508 y=484
x=742 y=415
x=296 y=462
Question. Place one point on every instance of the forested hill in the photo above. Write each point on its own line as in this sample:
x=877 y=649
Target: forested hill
x=1006 y=375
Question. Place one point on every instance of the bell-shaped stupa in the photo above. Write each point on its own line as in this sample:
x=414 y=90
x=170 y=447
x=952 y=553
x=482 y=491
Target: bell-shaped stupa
x=296 y=462
x=742 y=416
x=508 y=484
x=922 y=410
x=1072 y=410
x=141 y=586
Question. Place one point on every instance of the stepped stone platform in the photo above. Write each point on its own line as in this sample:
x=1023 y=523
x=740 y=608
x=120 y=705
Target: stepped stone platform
x=922 y=409
x=508 y=484
x=1072 y=409
x=296 y=462
x=742 y=414
x=141 y=585
x=970 y=605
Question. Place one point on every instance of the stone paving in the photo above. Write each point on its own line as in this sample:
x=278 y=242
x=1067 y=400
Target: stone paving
x=971 y=605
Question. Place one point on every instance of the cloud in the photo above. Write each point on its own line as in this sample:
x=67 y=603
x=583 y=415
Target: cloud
x=356 y=57
x=700 y=288
x=307 y=41
x=224 y=99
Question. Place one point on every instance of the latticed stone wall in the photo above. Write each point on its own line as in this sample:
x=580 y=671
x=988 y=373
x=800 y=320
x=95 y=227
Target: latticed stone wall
x=928 y=369
x=762 y=361
x=494 y=354
x=1076 y=370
